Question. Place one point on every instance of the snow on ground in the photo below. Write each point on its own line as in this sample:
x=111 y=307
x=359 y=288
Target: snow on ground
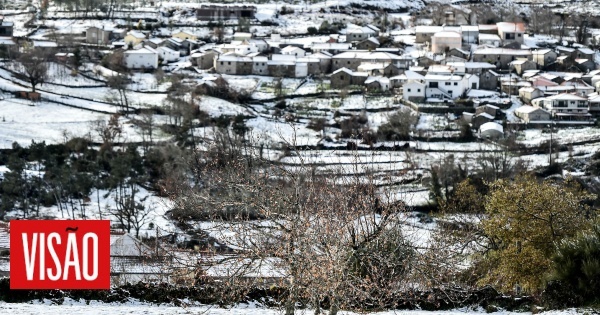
x=216 y=107
x=134 y=307
x=270 y=131
x=20 y=122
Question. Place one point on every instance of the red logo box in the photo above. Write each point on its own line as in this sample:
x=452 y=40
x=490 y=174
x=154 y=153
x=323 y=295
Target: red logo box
x=60 y=254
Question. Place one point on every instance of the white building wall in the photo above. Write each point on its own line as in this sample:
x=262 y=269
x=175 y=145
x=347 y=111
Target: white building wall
x=135 y=60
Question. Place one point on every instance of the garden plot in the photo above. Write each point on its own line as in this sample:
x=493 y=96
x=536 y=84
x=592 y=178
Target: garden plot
x=272 y=132
x=60 y=74
x=216 y=107
x=22 y=123
x=534 y=137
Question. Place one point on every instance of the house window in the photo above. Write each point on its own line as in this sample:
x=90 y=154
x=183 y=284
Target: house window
x=418 y=90
x=455 y=83
x=408 y=90
x=229 y=62
x=447 y=83
x=348 y=62
x=519 y=35
x=341 y=78
x=433 y=84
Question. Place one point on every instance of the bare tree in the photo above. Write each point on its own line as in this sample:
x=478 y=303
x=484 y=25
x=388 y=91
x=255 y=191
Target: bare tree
x=33 y=64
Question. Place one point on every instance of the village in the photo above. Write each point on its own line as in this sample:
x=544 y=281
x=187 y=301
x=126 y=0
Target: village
x=388 y=95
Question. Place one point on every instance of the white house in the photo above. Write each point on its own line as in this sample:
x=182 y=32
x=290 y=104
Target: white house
x=143 y=58
x=294 y=51
x=567 y=106
x=449 y=86
x=413 y=89
x=167 y=54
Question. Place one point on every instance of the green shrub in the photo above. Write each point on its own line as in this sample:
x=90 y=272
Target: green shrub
x=577 y=264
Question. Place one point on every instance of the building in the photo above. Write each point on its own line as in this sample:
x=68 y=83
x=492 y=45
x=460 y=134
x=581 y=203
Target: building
x=567 y=106
x=529 y=93
x=423 y=34
x=449 y=86
x=204 y=60
x=544 y=57
x=134 y=38
x=342 y=78
x=97 y=36
x=501 y=57
x=225 y=12
x=167 y=54
x=470 y=33
x=414 y=91
x=370 y=43
x=441 y=42
x=183 y=35
x=522 y=65
x=294 y=51
x=511 y=32
x=233 y=64
x=491 y=130
x=6 y=27
x=132 y=261
x=355 y=33
x=490 y=40
x=489 y=80
x=530 y=114
x=143 y=58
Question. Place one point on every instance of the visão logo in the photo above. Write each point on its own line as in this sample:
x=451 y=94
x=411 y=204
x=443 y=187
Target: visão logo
x=60 y=254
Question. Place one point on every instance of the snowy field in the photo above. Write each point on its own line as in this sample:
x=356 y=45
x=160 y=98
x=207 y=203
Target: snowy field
x=72 y=307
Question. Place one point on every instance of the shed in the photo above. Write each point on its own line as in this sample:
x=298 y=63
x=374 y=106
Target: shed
x=491 y=130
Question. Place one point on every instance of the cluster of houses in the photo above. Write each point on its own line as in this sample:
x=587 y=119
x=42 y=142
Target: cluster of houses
x=458 y=61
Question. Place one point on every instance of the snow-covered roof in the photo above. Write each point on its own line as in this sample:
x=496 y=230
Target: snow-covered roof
x=373 y=40
x=508 y=27
x=491 y=126
x=167 y=49
x=565 y=49
x=447 y=34
x=488 y=27
x=136 y=34
x=6 y=41
x=283 y=57
x=144 y=50
x=469 y=28
x=485 y=115
x=155 y=40
x=346 y=70
x=586 y=51
x=330 y=46
x=437 y=77
x=541 y=51
x=489 y=37
x=41 y=43
x=526 y=109
x=291 y=49
x=260 y=59
x=502 y=51
x=428 y=29
x=567 y=96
